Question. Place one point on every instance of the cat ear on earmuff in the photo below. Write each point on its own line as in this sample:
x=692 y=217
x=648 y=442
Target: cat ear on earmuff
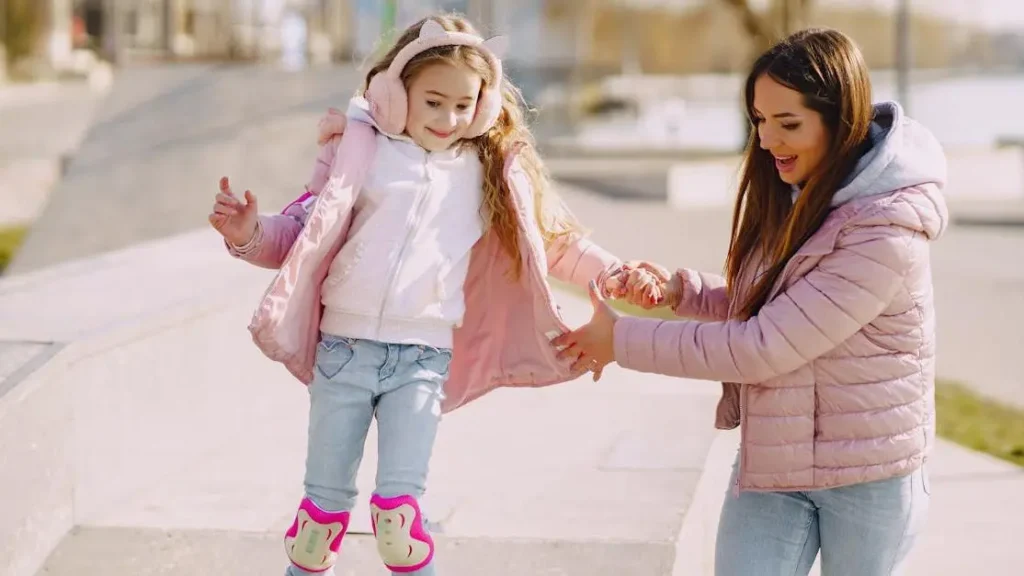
x=431 y=28
x=497 y=45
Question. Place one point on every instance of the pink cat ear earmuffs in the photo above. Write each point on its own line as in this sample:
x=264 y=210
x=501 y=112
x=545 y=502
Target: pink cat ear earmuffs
x=389 y=103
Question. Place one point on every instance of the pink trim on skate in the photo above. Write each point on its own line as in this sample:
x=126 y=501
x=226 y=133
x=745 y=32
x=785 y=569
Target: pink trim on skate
x=415 y=528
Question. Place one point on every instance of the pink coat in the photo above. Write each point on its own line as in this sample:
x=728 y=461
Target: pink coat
x=832 y=382
x=504 y=336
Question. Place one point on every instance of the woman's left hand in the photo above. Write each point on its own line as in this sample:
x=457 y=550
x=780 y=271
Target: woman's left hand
x=592 y=345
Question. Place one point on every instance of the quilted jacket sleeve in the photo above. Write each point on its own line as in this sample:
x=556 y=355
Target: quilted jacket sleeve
x=705 y=296
x=847 y=289
x=576 y=260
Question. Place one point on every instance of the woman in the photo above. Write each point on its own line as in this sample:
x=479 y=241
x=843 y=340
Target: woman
x=823 y=329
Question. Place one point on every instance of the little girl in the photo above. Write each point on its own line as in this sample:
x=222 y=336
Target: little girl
x=412 y=279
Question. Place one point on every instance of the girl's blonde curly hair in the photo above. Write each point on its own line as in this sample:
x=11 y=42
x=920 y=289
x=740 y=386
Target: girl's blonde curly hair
x=509 y=131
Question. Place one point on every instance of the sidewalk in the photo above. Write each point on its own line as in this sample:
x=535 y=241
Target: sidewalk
x=1007 y=213
x=180 y=461
x=175 y=463
x=976 y=514
x=41 y=125
x=976 y=518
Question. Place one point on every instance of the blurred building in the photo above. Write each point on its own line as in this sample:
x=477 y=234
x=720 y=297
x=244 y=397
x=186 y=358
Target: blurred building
x=330 y=30
x=582 y=36
x=205 y=29
x=698 y=36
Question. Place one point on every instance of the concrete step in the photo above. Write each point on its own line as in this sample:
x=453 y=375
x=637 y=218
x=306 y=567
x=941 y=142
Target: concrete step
x=154 y=552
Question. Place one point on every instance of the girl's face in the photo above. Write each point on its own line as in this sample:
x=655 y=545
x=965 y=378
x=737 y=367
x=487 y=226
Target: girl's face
x=794 y=134
x=442 y=103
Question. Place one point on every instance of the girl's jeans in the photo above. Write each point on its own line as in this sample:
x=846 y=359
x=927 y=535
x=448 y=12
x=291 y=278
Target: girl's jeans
x=355 y=380
x=862 y=530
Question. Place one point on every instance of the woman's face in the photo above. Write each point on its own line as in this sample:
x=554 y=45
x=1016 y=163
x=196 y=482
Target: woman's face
x=794 y=134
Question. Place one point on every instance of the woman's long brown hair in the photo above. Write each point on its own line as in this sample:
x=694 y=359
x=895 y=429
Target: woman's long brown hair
x=827 y=68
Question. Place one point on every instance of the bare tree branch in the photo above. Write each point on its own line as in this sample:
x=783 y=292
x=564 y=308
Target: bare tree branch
x=760 y=28
x=797 y=12
x=755 y=25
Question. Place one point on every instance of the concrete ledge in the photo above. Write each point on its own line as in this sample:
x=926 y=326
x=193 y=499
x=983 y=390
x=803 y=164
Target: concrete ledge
x=975 y=174
x=158 y=414
x=711 y=183
x=121 y=552
x=37 y=486
x=695 y=546
x=86 y=313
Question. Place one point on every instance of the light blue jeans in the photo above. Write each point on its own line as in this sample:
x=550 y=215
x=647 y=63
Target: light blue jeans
x=355 y=380
x=862 y=530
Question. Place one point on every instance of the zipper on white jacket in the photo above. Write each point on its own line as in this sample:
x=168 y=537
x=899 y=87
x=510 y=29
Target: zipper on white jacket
x=411 y=227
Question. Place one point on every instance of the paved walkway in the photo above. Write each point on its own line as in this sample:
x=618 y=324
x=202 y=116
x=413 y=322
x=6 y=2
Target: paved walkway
x=161 y=141
x=585 y=478
x=582 y=479
x=204 y=460
x=40 y=125
x=976 y=514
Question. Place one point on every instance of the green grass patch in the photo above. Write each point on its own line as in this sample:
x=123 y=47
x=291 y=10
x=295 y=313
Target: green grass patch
x=963 y=417
x=979 y=423
x=10 y=240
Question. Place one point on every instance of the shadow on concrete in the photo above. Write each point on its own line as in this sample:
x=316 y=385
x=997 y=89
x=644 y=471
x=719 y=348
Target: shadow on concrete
x=647 y=187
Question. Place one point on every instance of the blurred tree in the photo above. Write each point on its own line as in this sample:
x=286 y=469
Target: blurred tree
x=3 y=40
x=794 y=14
x=782 y=18
x=21 y=25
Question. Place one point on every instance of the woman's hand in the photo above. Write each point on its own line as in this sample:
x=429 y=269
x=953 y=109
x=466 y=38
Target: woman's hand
x=592 y=345
x=645 y=284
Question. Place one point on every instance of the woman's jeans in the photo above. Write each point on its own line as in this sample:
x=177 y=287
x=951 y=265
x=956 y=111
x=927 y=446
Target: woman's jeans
x=356 y=380
x=862 y=530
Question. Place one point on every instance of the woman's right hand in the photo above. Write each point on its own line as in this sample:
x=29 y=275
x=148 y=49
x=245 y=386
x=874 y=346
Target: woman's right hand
x=234 y=219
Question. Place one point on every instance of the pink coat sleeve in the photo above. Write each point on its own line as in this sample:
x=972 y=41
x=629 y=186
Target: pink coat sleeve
x=705 y=296
x=576 y=260
x=571 y=258
x=275 y=233
x=845 y=291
